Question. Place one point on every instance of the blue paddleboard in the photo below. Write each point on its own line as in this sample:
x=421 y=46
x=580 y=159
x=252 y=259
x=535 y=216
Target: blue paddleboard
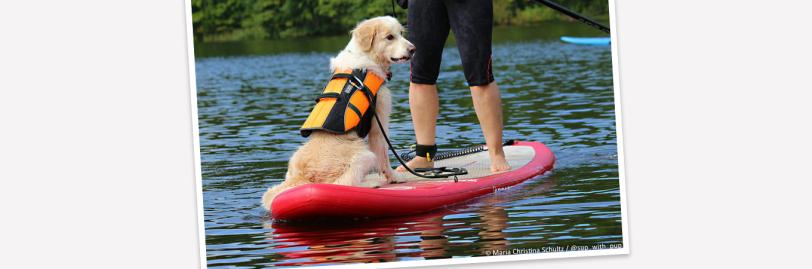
x=587 y=40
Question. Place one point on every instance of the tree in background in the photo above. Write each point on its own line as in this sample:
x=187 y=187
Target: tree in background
x=229 y=20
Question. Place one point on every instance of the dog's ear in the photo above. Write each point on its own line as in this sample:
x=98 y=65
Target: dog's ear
x=364 y=34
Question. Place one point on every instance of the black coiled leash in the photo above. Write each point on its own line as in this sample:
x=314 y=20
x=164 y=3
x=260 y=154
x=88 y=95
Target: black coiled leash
x=437 y=172
x=406 y=156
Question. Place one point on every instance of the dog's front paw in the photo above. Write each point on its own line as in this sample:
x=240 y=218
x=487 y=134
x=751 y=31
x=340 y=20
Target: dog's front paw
x=389 y=175
x=370 y=183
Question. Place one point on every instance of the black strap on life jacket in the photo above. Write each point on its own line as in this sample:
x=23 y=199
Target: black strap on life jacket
x=335 y=121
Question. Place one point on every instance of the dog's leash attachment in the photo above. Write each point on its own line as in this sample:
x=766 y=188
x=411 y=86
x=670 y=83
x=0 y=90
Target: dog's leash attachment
x=442 y=172
x=439 y=172
x=356 y=82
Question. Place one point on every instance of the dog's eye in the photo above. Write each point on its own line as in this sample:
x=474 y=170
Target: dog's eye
x=390 y=37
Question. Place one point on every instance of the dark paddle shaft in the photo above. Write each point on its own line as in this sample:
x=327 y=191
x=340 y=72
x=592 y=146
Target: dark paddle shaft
x=574 y=15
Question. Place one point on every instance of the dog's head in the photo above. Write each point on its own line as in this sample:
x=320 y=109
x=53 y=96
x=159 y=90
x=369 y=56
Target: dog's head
x=382 y=39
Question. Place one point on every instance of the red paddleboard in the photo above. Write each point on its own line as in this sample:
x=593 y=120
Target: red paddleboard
x=415 y=195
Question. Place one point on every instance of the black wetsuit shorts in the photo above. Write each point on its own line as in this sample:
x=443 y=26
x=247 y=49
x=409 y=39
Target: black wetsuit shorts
x=428 y=28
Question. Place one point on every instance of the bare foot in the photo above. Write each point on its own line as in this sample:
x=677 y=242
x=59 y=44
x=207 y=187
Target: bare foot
x=417 y=162
x=498 y=163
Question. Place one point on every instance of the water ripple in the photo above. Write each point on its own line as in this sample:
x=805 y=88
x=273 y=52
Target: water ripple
x=250 y=109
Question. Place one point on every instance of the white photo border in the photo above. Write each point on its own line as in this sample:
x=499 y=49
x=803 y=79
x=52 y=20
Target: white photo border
x=625 y=250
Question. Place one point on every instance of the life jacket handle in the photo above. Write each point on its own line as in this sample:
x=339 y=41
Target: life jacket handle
x=357 y=83
x=328 y=95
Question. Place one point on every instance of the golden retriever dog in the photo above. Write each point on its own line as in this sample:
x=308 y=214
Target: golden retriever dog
x=346 y=159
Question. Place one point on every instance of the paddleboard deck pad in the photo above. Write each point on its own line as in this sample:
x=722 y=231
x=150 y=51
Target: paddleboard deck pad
x=412 y=194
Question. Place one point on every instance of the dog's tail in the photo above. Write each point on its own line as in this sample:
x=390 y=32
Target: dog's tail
x=299 y=173
x=272 y=192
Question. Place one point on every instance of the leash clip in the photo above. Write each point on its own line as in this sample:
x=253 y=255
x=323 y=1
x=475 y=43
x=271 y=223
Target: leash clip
x=355 y=82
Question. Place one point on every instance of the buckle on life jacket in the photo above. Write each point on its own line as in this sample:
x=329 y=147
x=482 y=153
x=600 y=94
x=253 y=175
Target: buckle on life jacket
x=345 y=104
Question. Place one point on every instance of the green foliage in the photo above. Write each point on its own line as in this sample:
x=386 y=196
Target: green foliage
x=529 y=12
x=229 y=20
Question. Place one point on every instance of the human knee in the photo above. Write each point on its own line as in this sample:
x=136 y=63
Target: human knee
x=422 y=87
x=492 y=87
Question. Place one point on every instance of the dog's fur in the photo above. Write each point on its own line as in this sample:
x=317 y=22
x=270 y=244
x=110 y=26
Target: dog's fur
x=346 y=159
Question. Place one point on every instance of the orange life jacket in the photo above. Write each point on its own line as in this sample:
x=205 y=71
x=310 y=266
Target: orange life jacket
x=347 y=104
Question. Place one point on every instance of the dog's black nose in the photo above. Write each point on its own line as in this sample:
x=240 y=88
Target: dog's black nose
x=412 y=50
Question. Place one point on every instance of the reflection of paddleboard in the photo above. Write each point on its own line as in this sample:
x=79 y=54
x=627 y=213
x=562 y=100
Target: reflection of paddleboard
x=527 y=159
x=587 y=40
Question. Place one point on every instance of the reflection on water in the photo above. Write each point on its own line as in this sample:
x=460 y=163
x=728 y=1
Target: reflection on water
x=250 y=108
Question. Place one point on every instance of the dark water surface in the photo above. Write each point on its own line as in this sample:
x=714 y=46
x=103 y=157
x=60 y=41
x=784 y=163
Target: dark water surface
x=252 y=98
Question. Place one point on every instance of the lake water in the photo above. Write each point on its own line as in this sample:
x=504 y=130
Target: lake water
x=253 y=96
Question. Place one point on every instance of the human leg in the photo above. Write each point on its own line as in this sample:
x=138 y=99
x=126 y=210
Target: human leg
x=424 y=104
x=428 y=29
x=488 y=107
x=472 y=23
